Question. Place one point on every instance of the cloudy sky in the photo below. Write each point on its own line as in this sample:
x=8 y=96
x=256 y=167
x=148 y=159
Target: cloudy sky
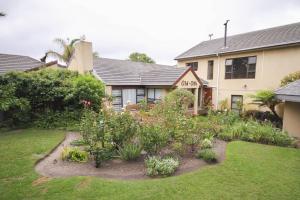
x=161 y=28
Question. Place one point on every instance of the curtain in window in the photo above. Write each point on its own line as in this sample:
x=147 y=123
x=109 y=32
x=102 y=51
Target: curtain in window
x=129 y=96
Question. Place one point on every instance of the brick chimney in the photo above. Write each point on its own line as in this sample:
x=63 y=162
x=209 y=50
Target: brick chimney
x=82 y=59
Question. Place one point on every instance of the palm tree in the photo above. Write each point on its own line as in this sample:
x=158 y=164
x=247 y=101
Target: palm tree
x=68 y=50
x=2 y=14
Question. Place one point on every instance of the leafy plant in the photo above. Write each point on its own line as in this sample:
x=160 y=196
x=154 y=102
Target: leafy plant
x=290 y=78
x=208 y=155
x=130 y=152
x=78 y=142
x=101 y=155
x=140 y=57
x=74 y=154
x=152 y=138
x=161 y=167
x=206 y=144
x=121 y=128
x=266 y=98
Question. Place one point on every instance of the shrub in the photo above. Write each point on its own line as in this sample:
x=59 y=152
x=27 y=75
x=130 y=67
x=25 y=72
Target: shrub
x=161 y=167
x=208 y=155
x=78 y=142
x=153 y=138
x=206 y=144
x=74 y=154
x=226 y=136
x=121 y=128
x=178 y=148
x=290 y=78
x=100 y=155
x=130 y=152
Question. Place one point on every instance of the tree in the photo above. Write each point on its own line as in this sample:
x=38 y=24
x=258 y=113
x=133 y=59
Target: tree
x=140 y=57
x=266 y=98
x=68 y=49
x=96 y=54
x=2 y=14
x=290 y=78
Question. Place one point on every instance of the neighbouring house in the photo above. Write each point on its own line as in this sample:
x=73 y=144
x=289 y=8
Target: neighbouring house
x=9 y=62
x=247 y=63
x=290 y=94
x=131 y=82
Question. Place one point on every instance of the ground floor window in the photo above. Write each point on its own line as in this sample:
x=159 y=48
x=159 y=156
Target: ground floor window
x=236 y=102
x=154 y=95
x=124 y=96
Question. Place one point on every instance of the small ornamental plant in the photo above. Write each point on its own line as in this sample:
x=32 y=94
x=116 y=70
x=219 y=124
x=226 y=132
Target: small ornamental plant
x=161 y=166
x=206 y=144
x=208 y=155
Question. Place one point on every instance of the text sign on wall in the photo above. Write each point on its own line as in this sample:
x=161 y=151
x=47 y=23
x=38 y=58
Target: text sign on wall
x=185 y=83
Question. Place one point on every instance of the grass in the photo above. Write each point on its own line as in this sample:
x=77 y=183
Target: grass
x=250 y=171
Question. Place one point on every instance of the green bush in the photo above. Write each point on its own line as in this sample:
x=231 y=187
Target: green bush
x=153 y=138
x=74 y=154
x=208 y=155
x=161 y=167
x=130 y=152
x=101 y=155
x=206 y=144
x=121 y=128
x=29 y=95
x=78 y=142
x=178 y=147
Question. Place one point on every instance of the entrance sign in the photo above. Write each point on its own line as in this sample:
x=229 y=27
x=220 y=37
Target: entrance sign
x=186 y=83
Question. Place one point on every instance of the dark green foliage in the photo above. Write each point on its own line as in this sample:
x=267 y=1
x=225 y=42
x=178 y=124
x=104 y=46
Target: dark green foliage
x=208 y=155
x=130 y=152
x=140 y=57
x=27 y=96
x=101 y=155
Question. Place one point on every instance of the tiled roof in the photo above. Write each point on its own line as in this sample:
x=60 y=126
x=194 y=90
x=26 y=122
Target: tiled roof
x=290 y=92
x=276 y=36
x=124 y=72
x=10 y=62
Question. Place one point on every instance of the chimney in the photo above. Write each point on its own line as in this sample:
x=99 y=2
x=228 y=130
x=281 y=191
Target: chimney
x=225 y=34
x=82 y=58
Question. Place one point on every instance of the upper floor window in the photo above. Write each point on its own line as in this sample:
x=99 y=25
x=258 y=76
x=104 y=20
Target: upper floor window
x=210 y=70
x=238 y=68
x=193 y=65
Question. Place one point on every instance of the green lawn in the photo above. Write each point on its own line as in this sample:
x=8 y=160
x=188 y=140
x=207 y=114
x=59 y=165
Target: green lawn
x=251 y=171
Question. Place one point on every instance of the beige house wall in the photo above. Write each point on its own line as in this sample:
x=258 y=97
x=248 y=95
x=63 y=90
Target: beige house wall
x=271 y=67
x=291 y=118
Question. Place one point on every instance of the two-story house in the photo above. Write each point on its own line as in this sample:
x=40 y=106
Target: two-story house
x=247 y=63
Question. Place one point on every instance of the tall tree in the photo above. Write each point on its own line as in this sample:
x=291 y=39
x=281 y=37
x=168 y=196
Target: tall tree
x=140 y=57
x=67 y=47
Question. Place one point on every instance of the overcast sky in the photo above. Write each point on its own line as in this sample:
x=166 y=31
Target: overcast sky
x=160 y=28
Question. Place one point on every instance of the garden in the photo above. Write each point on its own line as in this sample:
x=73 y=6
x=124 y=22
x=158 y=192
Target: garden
x=153 y=142
x=224 y=155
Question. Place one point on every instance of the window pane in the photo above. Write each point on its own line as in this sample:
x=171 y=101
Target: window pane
x=193 y=65
x=251 y=74
x=252 y=60
x=210 y=70
x=150 y=93
x=228 y=69
x=239 y=68
x=117 y=108
x=140 y=91
x=139 y=98
x=227 y=75
x=158 y=93
x=115 y=93
x=117 y=100
x=251 y=68
x=228 y=62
